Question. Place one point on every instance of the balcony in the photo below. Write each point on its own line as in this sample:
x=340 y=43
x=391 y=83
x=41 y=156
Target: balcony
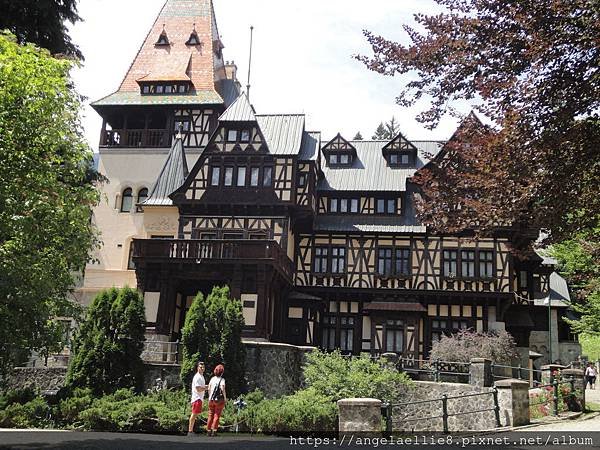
x=132 y=138
x=194 y=251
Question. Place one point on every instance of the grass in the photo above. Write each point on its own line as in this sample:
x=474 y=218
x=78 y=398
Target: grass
x=590 y=346
x=592 y=407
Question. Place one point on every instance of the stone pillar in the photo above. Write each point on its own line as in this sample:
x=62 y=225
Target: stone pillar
x=548 y=370
x=578 y=376
x=480 y=372
x=359 y=415
x=513 y=399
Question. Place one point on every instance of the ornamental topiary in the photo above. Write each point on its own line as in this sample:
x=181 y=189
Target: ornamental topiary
x=213 y=333
x=107 y=348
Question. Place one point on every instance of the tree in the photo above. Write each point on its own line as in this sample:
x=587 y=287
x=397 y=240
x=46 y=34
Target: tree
x=358 y=137
x=46 y=234
x=106 y=351
x=579 y=262
x=380 y=133
x=499 y=346
x=41 y=22
x=213 y=333
x=532 y=67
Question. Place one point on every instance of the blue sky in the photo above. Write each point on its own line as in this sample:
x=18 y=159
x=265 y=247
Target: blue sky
x=302 y=58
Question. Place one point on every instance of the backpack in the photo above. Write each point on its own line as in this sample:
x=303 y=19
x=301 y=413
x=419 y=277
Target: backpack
x=217 y=394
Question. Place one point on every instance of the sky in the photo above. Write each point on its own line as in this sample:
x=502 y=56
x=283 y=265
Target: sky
x=301 y=61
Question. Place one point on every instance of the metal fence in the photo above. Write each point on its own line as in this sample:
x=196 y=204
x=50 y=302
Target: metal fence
x=502 y=372
x=161 y=352
x=387 y=409
x=435 y=369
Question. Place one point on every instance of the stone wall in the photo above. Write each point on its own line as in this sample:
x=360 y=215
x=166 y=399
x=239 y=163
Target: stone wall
x=276 y=369
x=42 y=379
x=426 y=390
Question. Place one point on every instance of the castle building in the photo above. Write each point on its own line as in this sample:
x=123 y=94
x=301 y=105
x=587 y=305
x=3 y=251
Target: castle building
x=318 y=238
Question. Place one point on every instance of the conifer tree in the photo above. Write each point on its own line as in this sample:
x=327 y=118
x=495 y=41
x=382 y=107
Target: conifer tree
x=358 y=137
x=380 y=133
x=108 y=346
x=213 y=333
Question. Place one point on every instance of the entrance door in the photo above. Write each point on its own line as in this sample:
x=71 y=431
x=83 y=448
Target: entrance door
x=395 y=334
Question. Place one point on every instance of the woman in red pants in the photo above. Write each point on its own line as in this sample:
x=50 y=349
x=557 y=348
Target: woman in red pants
x=216 y=400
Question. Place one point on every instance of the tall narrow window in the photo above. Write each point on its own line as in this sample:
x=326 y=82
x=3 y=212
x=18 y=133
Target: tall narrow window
x=450 y=263
x=333 y=205
x=241 y=176
x=245 y=136
x=232 y=136
x=344 y=205
x=329 y=325
x=347 y=334
x=215 y=179
x=394 y=336
x=228 y=176
x=254 y=173
x=302 y=180
x=338 y=260
x=354 y=205
x=384 y=261
x=267 y=176
x=130 y=263
x=380 y=206
x=333 y=159
x=321 y=257
x=467 y=258
x=127 y=200
x=404 y=159
x=394 y=159
x=141 y=198
x=391 y=206
x=402 y=261
x=344 y=159
x=486 y=264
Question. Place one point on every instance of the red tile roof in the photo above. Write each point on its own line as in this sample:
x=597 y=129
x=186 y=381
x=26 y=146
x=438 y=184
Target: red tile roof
x=179 y=61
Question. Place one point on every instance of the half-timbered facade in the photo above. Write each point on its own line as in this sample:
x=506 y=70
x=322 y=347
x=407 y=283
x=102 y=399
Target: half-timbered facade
x=318 y=239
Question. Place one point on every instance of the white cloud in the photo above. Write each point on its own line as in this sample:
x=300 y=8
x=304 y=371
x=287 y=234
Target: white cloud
x=302 y=58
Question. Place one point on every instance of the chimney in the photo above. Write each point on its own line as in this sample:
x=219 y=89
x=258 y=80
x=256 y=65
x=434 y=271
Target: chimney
x=231 y=70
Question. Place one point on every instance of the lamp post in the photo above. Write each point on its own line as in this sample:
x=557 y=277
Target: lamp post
x=549 y=328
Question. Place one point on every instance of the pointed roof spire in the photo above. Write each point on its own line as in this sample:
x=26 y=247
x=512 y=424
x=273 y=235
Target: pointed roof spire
x=201 y=64
x=240 y=111
x=171 y=177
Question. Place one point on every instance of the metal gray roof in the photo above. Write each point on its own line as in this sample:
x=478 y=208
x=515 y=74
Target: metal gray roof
x=229 y=90
x=368 y=224
x=370 y=170
x=171 y=177
x=203 y=97
x=283 y=132
x=310 y=146
x=239 y=111
x=558 y=294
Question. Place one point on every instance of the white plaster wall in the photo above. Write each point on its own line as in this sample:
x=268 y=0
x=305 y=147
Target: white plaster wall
x=135 y=168
x=493 y=325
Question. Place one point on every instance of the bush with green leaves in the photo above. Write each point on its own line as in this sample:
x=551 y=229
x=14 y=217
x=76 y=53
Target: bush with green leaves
x=499 y=346
x=305 y=412
x=213 y=333
x=335 y=376
x=107 y=348
x=33 y=414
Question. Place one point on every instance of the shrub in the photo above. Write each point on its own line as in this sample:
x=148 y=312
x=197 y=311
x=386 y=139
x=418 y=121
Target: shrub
x=305 y=412
x=20 y=396
x=107 y=349
x=334 y=376
x=213 y=333
x=499 y=346
x=33 y=414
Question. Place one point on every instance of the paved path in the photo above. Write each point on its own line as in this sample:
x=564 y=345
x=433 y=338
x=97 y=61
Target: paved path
x=15 y=439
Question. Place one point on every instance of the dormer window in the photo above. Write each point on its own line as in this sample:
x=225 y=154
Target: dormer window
x=163 y=39
x=400 y=152
x=339 y=153
x=194 y=39
x=164 y=88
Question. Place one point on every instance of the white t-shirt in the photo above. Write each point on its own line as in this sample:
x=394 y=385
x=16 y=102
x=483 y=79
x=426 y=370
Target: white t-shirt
x=213 y=384
x=198 y=381
x=590 y=371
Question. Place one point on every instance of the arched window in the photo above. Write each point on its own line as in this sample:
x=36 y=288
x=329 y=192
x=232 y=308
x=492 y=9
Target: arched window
x=141 y=198
x=127 y=200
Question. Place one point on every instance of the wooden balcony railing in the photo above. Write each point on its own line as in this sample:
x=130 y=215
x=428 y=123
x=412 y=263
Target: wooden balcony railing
x=198 y=251
x=135 y=138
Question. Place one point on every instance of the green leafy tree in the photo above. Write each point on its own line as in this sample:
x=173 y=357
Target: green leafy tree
x=41 y=22
x=213 y=333
x=579 y=263
x=108 y=346
x=380 y=133
x=46 y=197
x=532 y=69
